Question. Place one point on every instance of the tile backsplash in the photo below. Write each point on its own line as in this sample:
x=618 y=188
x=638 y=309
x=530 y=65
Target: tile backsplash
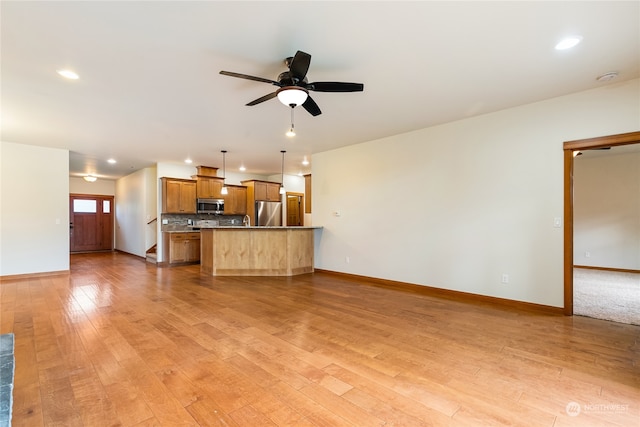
x=177 y=222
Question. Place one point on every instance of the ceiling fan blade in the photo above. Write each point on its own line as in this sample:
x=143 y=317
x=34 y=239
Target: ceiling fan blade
x=263 y=98
x=335 y=87
x=247 y=77
x=311 y=106
x=300 y=65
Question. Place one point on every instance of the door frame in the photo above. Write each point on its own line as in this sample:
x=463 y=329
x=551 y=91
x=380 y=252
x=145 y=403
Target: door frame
x=569 y=147
x=300 y=211
x=109 y=197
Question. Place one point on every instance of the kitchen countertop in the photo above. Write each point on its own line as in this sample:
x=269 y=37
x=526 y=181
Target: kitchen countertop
x=240 y=227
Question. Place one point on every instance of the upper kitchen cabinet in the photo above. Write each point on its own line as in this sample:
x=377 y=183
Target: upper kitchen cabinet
x=209 y=187
x=235 y=202
x=264 y=190
x=178 y=195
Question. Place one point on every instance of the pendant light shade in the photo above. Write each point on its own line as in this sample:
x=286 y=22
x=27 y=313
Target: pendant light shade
x=282 y=174
x=292 y=95
x=224 y=190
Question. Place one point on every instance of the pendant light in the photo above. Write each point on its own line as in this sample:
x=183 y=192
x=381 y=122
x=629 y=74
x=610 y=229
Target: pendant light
x=282 y=174
x=224 y=190
x=291 y=133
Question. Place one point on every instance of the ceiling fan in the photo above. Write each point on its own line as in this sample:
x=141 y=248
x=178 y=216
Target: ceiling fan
x=294 y=87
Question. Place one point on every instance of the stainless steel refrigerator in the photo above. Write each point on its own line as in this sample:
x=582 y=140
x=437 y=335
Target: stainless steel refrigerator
x=268 y=213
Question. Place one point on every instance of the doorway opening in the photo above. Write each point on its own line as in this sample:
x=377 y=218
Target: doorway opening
x=90 y=223
x=295 y=209
x=569 y=148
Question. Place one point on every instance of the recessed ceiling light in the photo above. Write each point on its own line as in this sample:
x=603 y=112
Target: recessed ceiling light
x=112 y=161
x=568 y=42
x=188 y=161
x=68 y=74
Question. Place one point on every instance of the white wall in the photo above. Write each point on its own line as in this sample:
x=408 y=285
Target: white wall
x=135 y=195
x=103 y=187
x=606 y=220
x=457 y=206
x=151 y=207
x=34 y=209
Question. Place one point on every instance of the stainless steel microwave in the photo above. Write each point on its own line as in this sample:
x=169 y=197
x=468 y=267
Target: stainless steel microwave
x=210 y=206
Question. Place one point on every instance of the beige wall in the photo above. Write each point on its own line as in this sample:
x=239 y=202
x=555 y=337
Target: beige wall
x=457 y=206
x=34 y=209
x=103 y=187
x=607 y=211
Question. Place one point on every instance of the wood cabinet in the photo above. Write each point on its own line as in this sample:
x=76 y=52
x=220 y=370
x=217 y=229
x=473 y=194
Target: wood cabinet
x=260 y=190
x=259 y=251
x=209 y=187
x=269 y=191
x=181 y=248
x=178 y=195
x=235 y=202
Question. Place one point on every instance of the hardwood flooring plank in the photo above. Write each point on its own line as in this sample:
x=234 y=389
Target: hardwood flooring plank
x=249 y=416
x=122 y=342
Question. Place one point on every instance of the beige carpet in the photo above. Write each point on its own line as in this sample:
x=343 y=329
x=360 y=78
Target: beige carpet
x=607 y=295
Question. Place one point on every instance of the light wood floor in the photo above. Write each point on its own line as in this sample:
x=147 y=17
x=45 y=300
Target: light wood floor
x=119 y=342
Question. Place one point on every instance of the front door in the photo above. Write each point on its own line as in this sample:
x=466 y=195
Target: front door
x=91 y=223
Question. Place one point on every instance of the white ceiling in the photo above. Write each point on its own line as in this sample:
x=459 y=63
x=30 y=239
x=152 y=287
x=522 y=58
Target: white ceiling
x=150 y=89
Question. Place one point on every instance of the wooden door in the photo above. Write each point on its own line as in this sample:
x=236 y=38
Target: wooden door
x=91 y=223
x=294 y=209
x=188 y=197
x=260 y=190
x=172 y=196
x=273 y=192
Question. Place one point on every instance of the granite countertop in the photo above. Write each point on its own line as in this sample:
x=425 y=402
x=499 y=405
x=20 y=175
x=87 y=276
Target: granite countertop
x=241 y=227
x=261 y=227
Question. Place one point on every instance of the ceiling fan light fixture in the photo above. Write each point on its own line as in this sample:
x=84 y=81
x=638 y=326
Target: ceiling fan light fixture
x=292 y=95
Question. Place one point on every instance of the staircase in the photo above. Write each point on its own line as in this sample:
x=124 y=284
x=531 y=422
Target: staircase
x=152 y=255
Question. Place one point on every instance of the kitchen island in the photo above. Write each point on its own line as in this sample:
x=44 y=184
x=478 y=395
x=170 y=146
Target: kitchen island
x=256 y=251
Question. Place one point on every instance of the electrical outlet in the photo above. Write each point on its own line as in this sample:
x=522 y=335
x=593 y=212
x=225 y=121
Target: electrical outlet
x=505 y=278
x=587 y=254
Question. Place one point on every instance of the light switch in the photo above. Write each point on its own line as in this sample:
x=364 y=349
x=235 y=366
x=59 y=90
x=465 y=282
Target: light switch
x=557 y=222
